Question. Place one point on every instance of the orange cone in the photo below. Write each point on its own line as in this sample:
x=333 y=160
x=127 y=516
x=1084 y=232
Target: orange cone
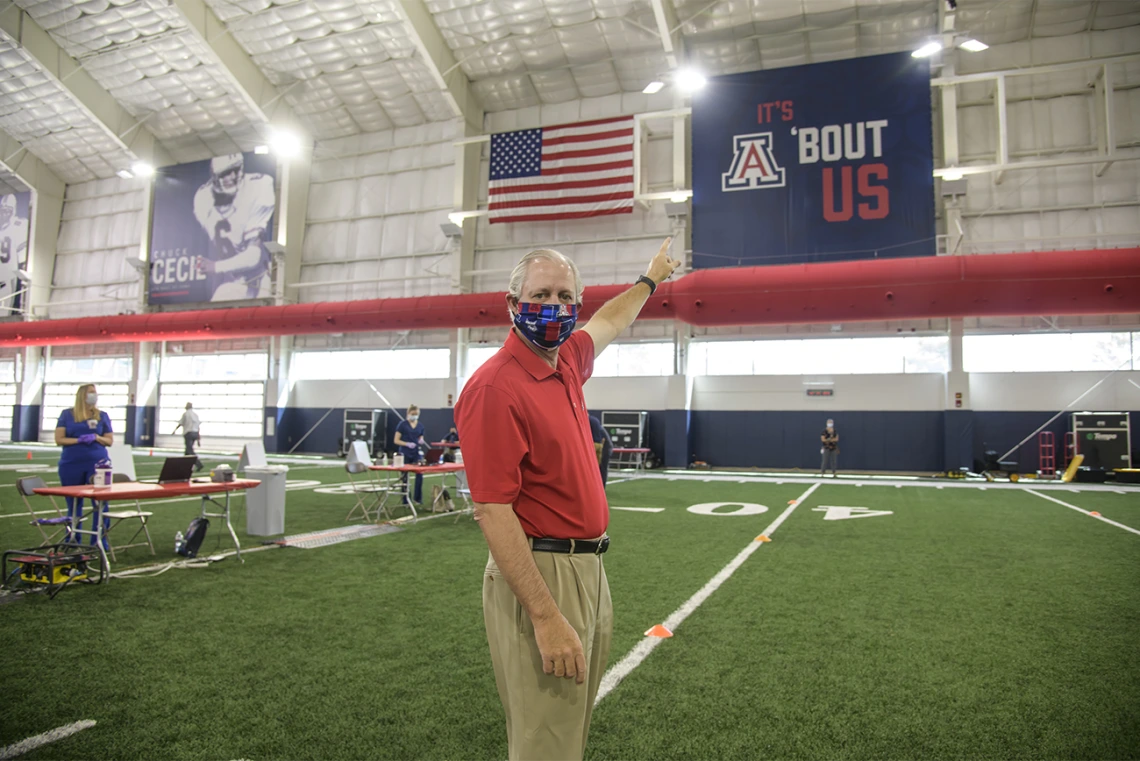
x=151 y=453
x=659 y=631
x=29 y=455
x=791 y=502
x=1094 y=512
x=763 y=538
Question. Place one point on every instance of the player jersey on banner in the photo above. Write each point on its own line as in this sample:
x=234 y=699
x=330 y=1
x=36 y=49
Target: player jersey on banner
x=13 y=245
x=236 y=229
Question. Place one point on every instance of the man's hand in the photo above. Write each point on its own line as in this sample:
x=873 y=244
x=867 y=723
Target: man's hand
x=561 y=649
x=662 y=266
x=206 y=265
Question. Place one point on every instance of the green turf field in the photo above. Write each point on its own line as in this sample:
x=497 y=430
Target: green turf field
x=968 y=623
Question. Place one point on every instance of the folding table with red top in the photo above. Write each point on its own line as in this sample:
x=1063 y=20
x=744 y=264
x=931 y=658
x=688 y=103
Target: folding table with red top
x=402 y=489
x=132 y=490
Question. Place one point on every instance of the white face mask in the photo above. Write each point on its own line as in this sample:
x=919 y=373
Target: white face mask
x=413 y=418
x=92 y=399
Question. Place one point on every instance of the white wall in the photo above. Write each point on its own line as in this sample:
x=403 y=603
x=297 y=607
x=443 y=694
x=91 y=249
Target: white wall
x=429 y=394
x=1054 y=391
x=852 y=392
x=651 y=393
x=376 y=202
x=101 y=227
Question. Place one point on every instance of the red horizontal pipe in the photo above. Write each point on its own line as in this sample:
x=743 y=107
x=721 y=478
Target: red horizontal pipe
x=1042 y=283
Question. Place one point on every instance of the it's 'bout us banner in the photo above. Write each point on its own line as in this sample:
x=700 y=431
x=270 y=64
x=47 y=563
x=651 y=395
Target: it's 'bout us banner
x=825 y=162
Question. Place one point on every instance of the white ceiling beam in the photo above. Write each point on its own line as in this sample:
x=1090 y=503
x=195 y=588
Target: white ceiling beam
x=89 y=94
x=441 y=62
x=252 y=85
x=669 y=29
x=18 y=160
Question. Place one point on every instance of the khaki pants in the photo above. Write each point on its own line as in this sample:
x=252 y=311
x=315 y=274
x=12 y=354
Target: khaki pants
x=548 y=718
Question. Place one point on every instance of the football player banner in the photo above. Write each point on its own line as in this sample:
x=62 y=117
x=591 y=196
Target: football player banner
x=825 y=162
x=14 y=232
x=208 y=233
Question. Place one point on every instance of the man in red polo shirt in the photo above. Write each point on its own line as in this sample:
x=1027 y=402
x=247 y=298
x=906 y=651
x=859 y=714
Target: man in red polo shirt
x=540 y=502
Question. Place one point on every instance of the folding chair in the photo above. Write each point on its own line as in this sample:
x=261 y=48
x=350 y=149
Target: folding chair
x=26 y=487
x=113 y=518
x=369 y=494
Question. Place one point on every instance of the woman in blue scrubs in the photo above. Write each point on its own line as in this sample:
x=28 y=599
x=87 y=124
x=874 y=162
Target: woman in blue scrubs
x=84 y=432
x=409 y=436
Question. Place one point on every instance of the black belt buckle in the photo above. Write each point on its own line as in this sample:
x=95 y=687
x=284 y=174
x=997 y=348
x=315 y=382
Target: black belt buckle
x=603 y=545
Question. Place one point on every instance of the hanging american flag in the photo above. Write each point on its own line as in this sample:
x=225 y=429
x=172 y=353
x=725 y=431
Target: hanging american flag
x=569 y=171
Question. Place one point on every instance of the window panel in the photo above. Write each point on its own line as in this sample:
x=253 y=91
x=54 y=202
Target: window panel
x=215 y=367
x=61 y=396
x=88 y=370
x=381 y=364
x=1049 y=352
x=635 y=360
x=477 y=355
x=226 y=410
x=822 y=356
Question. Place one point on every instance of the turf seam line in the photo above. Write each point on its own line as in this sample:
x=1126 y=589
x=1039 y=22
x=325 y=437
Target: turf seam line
x=1082 y=510
x=641 y=651
x=22 y=747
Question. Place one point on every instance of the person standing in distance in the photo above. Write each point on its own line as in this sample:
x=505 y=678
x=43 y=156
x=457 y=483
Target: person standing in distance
x=603 y=447
x=409 y=435
x=190 y=425
x=84 y=432
x=540 y=502
x=830 y=449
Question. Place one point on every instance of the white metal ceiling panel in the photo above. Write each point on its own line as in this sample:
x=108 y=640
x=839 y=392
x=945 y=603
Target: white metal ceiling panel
x=82 y=27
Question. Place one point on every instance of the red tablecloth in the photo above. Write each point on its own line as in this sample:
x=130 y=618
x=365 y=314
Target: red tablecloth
x=426 y=470
x=135 y=490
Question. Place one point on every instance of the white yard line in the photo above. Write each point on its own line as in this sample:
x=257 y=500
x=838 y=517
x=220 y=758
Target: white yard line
x=641 y=651
x=1082 y=510
x=639 y=509
x=903 y=481
x=22 y=747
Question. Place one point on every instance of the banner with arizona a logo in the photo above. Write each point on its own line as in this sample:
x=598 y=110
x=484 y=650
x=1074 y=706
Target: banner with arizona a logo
x=817 y=163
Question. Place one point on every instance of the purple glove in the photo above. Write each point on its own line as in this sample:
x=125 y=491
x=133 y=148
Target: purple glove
x=87 y=438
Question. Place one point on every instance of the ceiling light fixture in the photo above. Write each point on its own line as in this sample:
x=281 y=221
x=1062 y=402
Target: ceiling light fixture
x=125 y=174
x=142 y=169
x=653 y=87
x=974 y=46
x=927 y=50
x=284 y=143
x=952 y=174
x=689 y=80
x=261 y=150
x=680 y=196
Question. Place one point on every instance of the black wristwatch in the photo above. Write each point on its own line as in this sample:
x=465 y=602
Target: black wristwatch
x=648 y=281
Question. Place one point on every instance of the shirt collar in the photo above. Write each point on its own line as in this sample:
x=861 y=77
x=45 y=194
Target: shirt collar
x=526 y=357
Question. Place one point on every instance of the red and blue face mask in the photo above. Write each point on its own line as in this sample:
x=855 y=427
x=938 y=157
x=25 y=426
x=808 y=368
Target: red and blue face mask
x=546 y=325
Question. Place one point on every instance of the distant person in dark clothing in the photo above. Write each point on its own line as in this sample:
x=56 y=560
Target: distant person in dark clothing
x=452 y=438
x=602 y=445
x=830 y=449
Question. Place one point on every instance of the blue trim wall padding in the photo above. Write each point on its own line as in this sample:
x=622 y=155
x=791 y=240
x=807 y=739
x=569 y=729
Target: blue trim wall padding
x=140 y=425
x=958 y=444
x=790 y=439
x=26 y=422
x=293 y=422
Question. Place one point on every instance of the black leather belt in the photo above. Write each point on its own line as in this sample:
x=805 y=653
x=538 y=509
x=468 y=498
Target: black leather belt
x=571 y=546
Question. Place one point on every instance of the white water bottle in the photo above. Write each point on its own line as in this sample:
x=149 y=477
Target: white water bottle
x=179 y=541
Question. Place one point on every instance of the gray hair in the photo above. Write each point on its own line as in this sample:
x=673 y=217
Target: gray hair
x=518 y=274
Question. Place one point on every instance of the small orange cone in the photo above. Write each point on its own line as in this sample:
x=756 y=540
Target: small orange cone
x=763 y=538
x=659 y=631
x=29 y=455
x=151 y=453
x=791 y=502
x=1094 y=512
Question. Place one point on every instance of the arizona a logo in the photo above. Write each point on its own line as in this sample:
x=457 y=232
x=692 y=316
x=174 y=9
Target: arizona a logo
x=753 y=165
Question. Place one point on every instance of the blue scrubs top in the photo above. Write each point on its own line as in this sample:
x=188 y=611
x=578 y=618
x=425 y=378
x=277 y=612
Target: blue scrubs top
x=599 y=434
x=83 y=454
x=410 y=436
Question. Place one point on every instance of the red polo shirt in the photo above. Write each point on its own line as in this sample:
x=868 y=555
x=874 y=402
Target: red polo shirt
x=526 y=439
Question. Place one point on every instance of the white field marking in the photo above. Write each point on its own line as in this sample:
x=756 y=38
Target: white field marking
x=640 y=509
x=1120 y=491
x=642 y=649
x=912 y=481
x=1081 y=510
x=22 y=747
x=938 y=487
x=842 y=513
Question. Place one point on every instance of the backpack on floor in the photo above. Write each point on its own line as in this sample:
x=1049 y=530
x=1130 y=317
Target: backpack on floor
x=195 y=534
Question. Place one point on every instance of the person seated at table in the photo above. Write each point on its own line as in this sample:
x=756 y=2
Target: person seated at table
x=451 y=438
x=84 y=432
x=409 y=435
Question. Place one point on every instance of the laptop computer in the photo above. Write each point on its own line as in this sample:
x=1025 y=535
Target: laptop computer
x=174 y=470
